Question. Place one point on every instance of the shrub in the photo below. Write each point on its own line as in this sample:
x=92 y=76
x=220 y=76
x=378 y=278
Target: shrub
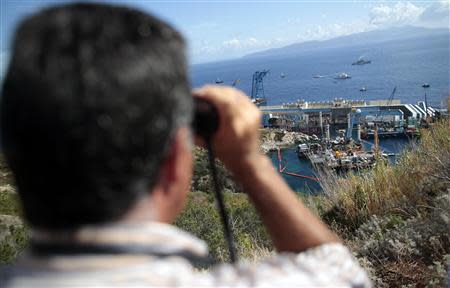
x=396 y=217
x=421 y=172
x=201 y=178
x=13 y=233
x=201 y=218
x=13 y=238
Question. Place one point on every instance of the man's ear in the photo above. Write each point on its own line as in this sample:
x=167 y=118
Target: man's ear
x=171 y=188
x=173 y=168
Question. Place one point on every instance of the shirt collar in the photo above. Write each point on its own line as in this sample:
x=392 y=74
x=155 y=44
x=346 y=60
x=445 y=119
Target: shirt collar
x=161 y=237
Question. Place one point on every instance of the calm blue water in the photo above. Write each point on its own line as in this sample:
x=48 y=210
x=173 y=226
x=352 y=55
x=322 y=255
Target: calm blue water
x=405 y=65
x=304 y=167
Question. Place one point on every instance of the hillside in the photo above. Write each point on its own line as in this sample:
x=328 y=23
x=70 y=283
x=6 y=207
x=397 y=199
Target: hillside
x=367 y=38
x=395 y=218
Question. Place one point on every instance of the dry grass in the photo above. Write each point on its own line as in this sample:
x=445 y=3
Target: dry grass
x=396 y=217
x=399 y=188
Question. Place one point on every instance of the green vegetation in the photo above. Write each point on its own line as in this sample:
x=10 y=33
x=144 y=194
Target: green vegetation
x=201 y=218
x=13 y=233
x=395 y=218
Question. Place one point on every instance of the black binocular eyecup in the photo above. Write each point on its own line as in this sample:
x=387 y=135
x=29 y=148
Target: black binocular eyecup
x=206 y=119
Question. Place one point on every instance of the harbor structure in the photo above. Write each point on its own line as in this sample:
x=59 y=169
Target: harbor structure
x=391 y=117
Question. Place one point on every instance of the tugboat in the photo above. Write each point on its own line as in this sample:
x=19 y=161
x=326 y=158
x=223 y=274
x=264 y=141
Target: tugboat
x=343 y=76
x=258 y=101
x=306 y=150
x=361 y=61
x=302 y=150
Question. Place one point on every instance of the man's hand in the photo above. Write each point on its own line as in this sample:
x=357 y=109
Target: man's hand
x=236 y=142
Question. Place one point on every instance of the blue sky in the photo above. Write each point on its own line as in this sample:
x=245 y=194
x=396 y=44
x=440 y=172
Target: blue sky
x=218 y=30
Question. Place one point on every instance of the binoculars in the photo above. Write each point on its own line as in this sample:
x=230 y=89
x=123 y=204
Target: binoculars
x=206 y=119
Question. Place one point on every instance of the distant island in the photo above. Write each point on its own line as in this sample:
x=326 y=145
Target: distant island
x=358 y=39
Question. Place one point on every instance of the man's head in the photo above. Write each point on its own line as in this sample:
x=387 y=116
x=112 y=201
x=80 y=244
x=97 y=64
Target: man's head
x=92 y=103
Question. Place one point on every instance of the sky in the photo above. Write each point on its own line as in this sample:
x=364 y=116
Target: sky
x=220 y=30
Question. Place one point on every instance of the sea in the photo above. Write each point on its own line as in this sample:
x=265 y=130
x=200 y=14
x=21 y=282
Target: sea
x=405 y=65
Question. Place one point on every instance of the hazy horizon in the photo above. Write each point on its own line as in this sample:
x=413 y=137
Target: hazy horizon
x=223 y=30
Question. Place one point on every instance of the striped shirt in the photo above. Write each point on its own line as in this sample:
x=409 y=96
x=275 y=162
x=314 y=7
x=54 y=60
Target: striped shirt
x=156 y=254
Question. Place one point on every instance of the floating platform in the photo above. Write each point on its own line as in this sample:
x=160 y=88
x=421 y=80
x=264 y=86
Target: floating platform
x=338 y=154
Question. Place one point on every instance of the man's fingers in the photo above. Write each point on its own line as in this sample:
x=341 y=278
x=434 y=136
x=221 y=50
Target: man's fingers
x=238 y=133
x=220 y=94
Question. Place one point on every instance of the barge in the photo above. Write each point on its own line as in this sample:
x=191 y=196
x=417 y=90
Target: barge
x=338 y=154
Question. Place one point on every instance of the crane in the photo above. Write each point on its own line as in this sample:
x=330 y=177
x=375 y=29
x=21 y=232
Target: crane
x=351 y=122
x=388 y=104
x=391 y=97
x=258 y=96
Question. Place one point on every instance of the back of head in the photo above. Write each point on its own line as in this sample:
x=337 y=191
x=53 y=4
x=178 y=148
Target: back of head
x=91 y=99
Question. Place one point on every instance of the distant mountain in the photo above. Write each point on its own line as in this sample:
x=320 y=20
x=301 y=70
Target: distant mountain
x=359 y=39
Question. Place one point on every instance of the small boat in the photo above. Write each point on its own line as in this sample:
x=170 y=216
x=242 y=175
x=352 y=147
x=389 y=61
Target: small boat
x=363 y=89
x=303 y=150
x=343 y=76
x=361 y=61
x=219 y=81
x=426 y=85
x=282 y=75
x=258 y=101
x=235 y=82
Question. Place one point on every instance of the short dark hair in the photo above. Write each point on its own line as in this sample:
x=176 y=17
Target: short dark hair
x=92 y=96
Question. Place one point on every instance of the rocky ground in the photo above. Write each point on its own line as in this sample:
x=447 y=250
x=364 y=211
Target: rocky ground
x=272 y=139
